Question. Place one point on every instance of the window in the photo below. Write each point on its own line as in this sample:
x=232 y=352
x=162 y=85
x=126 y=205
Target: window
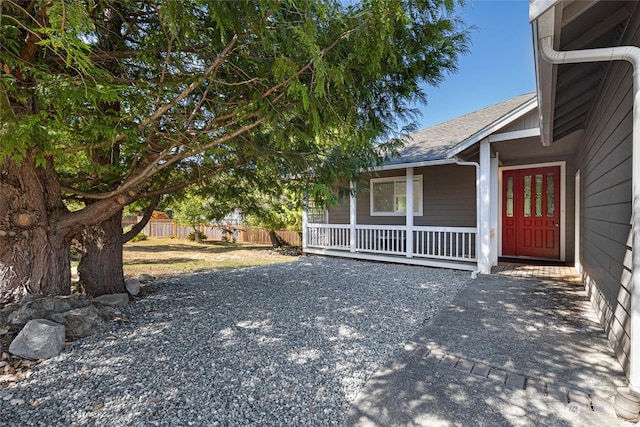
x=389 y=196
x=316 y=213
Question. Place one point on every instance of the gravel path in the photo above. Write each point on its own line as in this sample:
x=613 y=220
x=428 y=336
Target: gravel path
x=281 y=345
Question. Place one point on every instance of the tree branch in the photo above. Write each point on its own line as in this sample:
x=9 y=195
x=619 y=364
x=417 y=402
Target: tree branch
x=154 y=167
x=213 y=67
x=143 y=222
x=185 y=184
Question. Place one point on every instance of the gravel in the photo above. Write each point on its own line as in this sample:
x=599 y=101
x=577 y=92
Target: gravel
x=280 y=345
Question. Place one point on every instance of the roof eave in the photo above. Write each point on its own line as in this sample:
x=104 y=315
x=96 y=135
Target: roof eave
x=493 y=127
x=424 y=163
x=538 y=7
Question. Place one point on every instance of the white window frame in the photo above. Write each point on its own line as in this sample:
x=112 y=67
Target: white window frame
x=395 y=179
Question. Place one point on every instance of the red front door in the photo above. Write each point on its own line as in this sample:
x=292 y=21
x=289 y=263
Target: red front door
x=531 y=212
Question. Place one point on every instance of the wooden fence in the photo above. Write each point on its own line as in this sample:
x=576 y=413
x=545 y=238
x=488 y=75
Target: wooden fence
x=237 y=233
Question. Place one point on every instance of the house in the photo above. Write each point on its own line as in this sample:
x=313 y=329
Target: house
x=553 y=175
x=588 y=80
x=466 y=180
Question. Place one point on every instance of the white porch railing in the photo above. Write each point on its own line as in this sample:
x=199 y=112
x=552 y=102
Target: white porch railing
x=443 y=243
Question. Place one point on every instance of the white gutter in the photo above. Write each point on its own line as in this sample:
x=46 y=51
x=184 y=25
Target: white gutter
x=412 y=165
x=632 y=55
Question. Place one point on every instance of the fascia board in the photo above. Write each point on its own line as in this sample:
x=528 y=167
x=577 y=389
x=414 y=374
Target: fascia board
x=411 y=165
x=538 y=7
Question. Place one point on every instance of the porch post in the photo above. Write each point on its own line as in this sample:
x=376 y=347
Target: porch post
x=484 y=228
x=495 y=194
x=352 y=216
x=305 y=221
x=409 y=213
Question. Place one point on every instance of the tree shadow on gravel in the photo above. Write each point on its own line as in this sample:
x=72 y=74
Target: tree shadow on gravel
x=288 y=344
x=541 y=330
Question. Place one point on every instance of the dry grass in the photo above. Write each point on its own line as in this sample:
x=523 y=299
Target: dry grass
x=161 y=257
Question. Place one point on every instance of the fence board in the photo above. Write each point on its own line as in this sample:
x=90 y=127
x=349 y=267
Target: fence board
x=167 y=228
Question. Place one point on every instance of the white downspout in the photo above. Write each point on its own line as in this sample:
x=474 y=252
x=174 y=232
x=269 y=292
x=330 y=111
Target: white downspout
x=632 y=55
x=474 y=273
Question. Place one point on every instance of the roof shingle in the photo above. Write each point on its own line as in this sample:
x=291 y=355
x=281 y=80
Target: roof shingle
x=434 y=142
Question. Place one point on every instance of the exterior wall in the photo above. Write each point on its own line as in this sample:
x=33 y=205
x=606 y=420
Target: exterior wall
x=449 y=198
x=339 y=214
x=604 y=160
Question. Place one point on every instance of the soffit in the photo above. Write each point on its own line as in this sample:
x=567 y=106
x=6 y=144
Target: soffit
x=585 y=25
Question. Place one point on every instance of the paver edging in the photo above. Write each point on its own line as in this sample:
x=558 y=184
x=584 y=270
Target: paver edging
x=511 y=379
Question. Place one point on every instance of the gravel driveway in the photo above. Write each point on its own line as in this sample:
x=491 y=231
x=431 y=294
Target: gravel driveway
x=281 y=345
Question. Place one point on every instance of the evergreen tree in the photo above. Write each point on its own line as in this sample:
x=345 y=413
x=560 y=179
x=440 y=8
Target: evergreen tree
x=107 y=103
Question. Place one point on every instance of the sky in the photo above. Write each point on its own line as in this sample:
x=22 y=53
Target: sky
x=498 y=66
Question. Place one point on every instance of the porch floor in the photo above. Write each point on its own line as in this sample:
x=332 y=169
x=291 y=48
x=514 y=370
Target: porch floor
x=537 y=270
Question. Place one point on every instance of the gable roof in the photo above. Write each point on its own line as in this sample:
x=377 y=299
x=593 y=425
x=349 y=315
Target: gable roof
x=445 y=140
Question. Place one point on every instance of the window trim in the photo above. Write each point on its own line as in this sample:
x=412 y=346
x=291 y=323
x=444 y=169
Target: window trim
x=394 y=179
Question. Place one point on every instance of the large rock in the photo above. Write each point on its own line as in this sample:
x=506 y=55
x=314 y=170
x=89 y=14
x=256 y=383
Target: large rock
x=146 y=278
x=41 y=307
x=113 y=300
x=39 y=339
x=81 y=322
x=133 y=286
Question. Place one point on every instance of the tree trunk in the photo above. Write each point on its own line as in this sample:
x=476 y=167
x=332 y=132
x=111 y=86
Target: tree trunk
x=34 y=253
x=100 y=268
x=275 y=240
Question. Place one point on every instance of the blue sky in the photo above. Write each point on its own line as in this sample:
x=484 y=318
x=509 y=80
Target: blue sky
x=499 y=65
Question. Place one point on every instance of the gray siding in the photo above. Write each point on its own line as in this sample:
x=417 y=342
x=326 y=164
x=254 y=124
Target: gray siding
x=339 y=214
x=604 y=159
x=449 y=199
x=450 y=196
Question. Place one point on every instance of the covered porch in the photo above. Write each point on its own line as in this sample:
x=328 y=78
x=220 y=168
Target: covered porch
x=451 y=175
x=443 y=234
x=450 y=247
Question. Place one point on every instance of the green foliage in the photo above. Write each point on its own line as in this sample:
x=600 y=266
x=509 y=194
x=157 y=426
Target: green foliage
x=276 y=213
x=139 y=237
x=197 y=236
x=136 y=98
x=190 y=210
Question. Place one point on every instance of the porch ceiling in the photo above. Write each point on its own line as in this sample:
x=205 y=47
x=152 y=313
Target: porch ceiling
x=583 y=27
x=529 y=149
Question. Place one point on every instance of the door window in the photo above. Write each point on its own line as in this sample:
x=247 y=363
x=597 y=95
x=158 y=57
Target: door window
x=527 y=196
x=538 y=196
x=509 y=206
x=551 y=206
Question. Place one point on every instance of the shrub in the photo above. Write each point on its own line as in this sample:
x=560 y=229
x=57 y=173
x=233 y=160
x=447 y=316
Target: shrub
x=139 y=237
x=197 y=236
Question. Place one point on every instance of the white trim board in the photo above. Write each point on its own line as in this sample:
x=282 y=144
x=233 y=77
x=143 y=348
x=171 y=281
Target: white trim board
x=471 y=266
x=517 y=134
